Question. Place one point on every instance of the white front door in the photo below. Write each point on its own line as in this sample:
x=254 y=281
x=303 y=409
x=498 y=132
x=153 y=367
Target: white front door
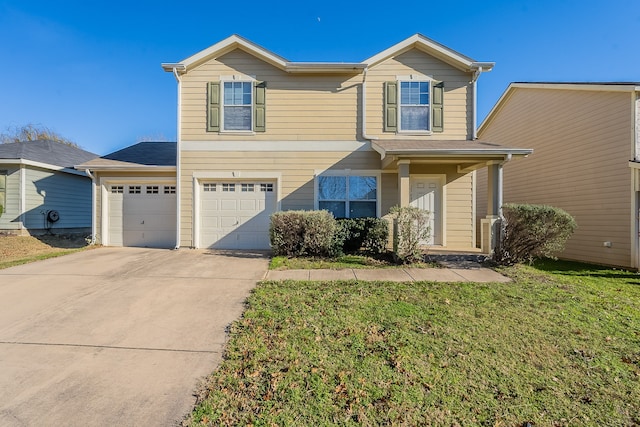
x=426 y=194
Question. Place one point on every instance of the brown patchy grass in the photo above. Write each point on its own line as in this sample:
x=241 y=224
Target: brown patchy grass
x=16 y=250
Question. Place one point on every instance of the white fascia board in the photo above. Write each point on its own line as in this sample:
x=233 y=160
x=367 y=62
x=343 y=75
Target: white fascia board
x=41 y=165
x=420 y=41
x=229 y=44
x=170 y=66
x=503 y=98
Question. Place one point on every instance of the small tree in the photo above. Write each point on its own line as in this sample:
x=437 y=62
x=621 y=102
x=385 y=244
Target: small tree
x=32 y=132
x=533 y=231
x=411 y=229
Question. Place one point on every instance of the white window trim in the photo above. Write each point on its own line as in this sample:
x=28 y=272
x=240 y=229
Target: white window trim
x=237 y=79
x=347 y=173
x=418 y=79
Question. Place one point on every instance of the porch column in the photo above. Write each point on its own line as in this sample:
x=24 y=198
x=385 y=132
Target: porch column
x=403 y=183
x=491 y=225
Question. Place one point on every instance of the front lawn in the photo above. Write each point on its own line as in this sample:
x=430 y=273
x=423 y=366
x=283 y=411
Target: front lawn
x=17 y=250
x=560 y=345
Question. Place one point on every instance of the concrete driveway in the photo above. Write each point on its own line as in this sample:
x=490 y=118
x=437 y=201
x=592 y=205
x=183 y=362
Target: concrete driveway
x=116 y=336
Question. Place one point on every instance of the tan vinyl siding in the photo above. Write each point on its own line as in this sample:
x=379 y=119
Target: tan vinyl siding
x=298 y=106
x=10 y=219
x=322 y=106
x=297 y=169
x=457 y=93
x=582 y=143
x=118 y=178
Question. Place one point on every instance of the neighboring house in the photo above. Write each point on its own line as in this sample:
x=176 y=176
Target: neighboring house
x=40 y=191
x=135 y=195
x=586 y=160
x=258 y=134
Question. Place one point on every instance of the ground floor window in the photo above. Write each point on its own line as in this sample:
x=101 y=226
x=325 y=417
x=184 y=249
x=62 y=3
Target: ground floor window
x=348 y=196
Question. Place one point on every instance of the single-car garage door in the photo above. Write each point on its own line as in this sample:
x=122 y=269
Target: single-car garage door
x=142 y=215
x=235 y=215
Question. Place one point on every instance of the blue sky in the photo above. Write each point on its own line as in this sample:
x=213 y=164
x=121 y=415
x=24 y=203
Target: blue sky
x=91 y=70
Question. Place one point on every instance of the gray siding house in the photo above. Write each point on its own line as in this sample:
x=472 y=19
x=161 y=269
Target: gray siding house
x=40 y=191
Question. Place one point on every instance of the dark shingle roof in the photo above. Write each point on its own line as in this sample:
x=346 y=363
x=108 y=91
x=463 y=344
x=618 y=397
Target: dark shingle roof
x=140 y=154
x=45 y=151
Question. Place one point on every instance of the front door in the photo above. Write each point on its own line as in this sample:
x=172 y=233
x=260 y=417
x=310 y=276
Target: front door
x=426 y=194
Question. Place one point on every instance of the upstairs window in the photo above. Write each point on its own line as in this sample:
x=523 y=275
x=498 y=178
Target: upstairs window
x=414 y=106
x=237 y=105
x=348 y=196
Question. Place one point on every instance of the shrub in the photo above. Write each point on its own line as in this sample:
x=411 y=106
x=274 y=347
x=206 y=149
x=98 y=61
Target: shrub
x=297 y=233
x=367 y=234
x=411 y=228
x=532 y=231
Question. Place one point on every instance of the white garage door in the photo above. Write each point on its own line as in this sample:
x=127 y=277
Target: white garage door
x=235 y=215
x=142 y=215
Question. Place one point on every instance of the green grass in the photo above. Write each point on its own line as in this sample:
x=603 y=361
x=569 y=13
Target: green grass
x=38 y=257
x=560 y=345
x=345 y=261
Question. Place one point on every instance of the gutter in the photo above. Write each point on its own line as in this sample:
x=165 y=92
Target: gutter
x=94 y=205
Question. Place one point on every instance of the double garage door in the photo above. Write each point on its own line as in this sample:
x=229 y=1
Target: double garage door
x=142 y=215
x=235 y=214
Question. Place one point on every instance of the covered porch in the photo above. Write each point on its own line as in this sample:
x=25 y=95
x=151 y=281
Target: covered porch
x=439 y=176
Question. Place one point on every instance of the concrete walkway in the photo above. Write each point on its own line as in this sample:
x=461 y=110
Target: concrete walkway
x=463 y=272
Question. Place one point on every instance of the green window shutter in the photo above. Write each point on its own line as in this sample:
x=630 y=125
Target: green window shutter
x=260 y=92
x=213 y=107
x=437 y=104
x=390 y=106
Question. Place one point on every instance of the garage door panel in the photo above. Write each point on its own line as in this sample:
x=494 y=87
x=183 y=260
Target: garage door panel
x=142 y=219
x=242 y=222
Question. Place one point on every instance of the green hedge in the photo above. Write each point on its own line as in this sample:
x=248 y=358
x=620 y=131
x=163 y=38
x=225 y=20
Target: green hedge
x=298 y=233
x=317 y=233
x=533 y=231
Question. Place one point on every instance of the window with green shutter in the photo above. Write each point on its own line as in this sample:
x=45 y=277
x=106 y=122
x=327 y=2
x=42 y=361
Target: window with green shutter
x=414 y=106
x=236 y=106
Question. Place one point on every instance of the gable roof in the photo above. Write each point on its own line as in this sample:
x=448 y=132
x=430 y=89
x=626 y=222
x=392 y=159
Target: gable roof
x=416 y=41
x=588 y=86
x=143 y=155
x=48 y=153
x=433 y=48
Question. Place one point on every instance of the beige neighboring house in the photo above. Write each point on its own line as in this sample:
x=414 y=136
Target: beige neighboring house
x=258 y=133
x=586 y=160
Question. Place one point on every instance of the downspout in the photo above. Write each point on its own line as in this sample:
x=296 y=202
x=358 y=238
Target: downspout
x=93 y=206
x=474 y=95
x=364 y=108
x=178 y=168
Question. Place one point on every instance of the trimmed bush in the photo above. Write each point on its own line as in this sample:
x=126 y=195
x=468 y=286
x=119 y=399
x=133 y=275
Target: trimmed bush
x=533 y=231
x=411 y=228
x=298 y=233
x=367 y=234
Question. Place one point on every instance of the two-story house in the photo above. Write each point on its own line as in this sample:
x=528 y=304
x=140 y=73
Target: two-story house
x=258 y=134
